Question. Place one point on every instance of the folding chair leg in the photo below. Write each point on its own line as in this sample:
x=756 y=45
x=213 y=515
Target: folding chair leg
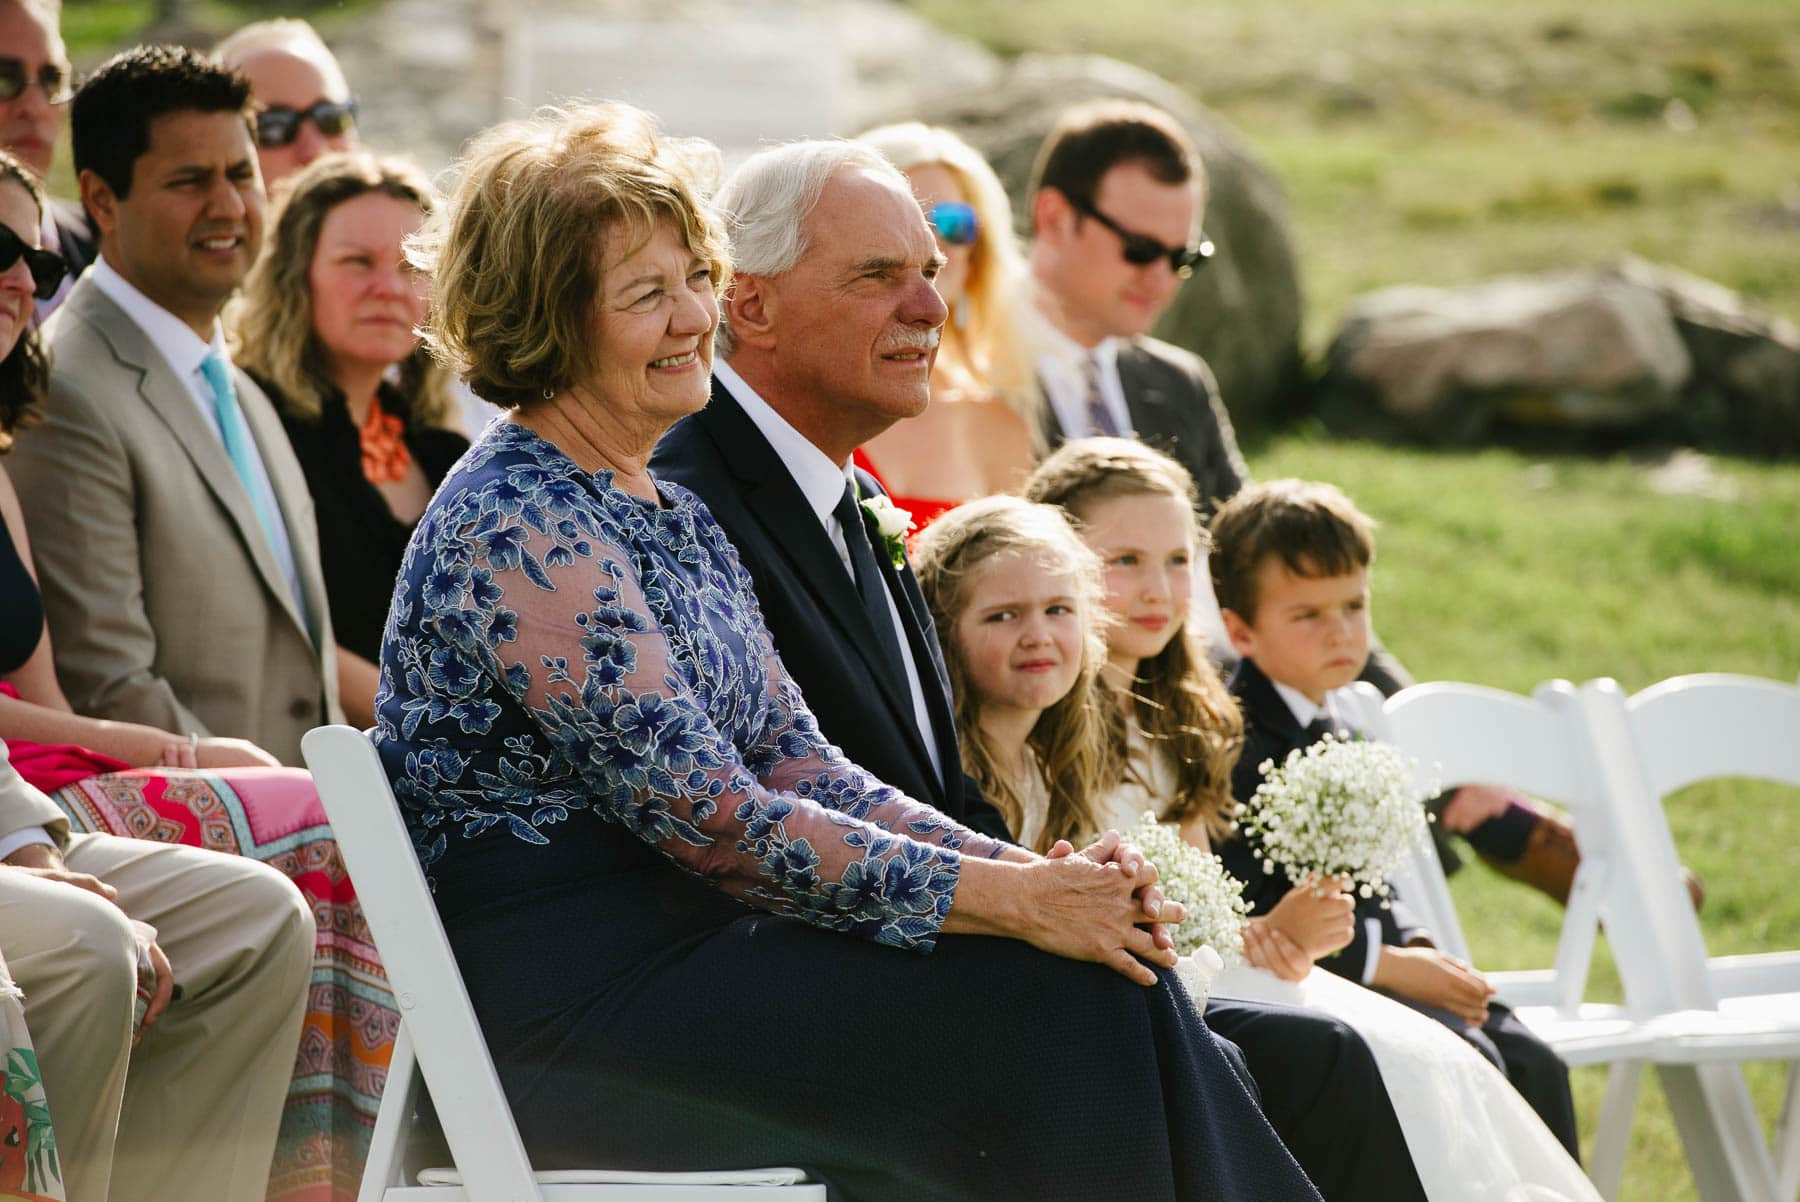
x=385 y=1167
x=1612 y=1135
x=1787 y=1139
x=1720 y=1132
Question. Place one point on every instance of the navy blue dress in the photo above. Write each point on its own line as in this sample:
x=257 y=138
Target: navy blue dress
x=697 y=937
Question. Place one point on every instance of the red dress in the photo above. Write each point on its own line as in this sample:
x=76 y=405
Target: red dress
x=924 y=510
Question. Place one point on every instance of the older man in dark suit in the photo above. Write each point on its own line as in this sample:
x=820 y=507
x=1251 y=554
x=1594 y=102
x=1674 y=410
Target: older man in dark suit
x=825 y=342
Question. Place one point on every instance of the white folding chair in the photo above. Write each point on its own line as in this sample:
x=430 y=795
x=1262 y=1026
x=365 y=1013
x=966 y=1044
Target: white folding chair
x=1463 y=734
x=1709 y=1014
x=440 y=1039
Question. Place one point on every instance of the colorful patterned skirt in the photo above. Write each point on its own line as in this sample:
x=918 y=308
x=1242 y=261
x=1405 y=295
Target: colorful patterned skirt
x=274 y=815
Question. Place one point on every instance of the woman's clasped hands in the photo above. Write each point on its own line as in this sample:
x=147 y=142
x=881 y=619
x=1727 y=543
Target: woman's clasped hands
x=1103 y=904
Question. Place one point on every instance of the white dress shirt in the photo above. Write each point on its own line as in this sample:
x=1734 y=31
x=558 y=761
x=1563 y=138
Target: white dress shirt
x=1305 y=713
x=1060 y=370
x=184 y=351
x=822 y=484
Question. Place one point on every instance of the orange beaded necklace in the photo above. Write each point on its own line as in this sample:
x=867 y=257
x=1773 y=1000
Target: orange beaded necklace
x=385 y=458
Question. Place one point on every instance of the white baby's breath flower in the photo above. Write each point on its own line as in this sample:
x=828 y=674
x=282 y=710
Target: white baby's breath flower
x=1338 y=808
x=1216 y=909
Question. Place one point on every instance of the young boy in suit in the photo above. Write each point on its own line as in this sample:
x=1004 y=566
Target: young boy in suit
x=1290 y=565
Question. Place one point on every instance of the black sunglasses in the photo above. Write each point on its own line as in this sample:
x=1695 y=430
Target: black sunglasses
x=46 y=266
x=279 y=126
x=52 y=78
x=1141 y=250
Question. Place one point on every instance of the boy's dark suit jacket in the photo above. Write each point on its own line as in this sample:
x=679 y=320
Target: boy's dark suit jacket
x=810 y=604
x=1270 y=733
x=1175 y=407
x=1317 y=1079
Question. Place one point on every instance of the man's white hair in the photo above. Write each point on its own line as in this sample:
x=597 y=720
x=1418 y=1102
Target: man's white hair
x=765 y=202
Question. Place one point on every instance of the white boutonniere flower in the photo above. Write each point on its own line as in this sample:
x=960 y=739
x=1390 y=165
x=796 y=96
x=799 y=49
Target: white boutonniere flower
x=892 y=523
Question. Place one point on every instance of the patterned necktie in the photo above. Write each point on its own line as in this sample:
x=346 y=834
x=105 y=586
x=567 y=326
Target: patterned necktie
x=869 y=584
x=1099 y=413
x=238 y=446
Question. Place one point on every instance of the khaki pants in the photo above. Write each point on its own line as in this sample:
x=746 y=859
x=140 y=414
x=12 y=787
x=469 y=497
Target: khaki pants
x=193 y=1112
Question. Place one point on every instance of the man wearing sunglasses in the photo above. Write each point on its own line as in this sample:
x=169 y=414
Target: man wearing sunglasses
x=34 y=91
x=303 y=100
x=1117 y=196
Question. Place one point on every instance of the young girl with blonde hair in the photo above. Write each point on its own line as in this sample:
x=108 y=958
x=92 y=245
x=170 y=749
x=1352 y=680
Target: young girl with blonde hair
x=1016 y=598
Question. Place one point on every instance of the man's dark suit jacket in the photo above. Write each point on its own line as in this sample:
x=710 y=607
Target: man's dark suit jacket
x=815 y=617
x=1175 y=407
x=76 y=239
x=1270 y=733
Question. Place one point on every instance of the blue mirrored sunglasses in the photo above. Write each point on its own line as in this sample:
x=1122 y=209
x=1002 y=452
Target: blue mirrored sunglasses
x=954 y=222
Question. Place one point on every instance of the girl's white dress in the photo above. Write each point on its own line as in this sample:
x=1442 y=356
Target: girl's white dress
x=1472 y=1137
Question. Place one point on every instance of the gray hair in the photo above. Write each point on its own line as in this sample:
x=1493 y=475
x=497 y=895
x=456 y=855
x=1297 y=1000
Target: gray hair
x=765 y=202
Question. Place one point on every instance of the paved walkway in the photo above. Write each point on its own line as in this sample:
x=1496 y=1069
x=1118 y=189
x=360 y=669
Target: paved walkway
x=432 y=72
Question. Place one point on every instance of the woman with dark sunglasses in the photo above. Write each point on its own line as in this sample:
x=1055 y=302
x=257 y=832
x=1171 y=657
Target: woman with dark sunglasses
x=131 y=780
x=979 y=435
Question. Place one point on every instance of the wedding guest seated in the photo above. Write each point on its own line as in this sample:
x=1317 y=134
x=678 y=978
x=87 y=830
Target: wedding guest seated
x=182 y=1099
x=123 y=778
x=1290 y=565
x=643 y=850
x=328 y=326
x=36 y=82
x=304 y=106
x=980 y=433
x=175 y=538
x=1181 y=738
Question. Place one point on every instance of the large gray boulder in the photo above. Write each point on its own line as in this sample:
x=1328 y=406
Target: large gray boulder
x=1242 y=311
x=1625 y=347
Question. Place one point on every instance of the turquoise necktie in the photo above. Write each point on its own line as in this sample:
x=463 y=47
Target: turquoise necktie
x=238 y=446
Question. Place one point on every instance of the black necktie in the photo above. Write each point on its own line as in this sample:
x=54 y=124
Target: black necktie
x=1319 y=727
x=869 y=584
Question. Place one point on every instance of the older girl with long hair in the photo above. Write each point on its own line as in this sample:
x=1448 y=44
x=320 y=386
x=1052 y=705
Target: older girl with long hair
x=329 y=326
x=981 y=434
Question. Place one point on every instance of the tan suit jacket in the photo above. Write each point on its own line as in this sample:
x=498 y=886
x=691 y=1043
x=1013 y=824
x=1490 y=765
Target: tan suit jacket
x=166 y=603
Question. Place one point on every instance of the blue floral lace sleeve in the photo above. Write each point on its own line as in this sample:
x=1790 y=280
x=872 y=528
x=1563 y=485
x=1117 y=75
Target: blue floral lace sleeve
x=558 y=645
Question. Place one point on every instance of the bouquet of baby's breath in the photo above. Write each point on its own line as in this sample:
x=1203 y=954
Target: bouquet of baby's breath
x=1342 y=807
x=1216 y=909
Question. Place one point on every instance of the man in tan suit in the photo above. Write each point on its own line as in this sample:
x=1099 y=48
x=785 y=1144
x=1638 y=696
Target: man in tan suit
x=175 y=539
x=193 y=1111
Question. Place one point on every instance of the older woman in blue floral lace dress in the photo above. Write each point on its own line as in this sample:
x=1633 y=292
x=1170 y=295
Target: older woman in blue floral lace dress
x=693 y=933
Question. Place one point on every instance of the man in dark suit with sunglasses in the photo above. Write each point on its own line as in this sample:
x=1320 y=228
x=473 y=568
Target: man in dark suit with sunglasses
x=304 y=105
x=1117 y=196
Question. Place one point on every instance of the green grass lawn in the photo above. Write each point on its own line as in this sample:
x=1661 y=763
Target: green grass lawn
x=1507 y=570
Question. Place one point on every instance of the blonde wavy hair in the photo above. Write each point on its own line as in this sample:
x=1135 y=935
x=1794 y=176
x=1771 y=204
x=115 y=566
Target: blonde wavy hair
x=517 y=254
x=1181 y=705
x=992 y=340
x=271 y=323
x=1075 y=738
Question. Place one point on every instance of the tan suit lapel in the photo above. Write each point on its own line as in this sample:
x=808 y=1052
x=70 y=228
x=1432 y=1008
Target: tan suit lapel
x=169 y=398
